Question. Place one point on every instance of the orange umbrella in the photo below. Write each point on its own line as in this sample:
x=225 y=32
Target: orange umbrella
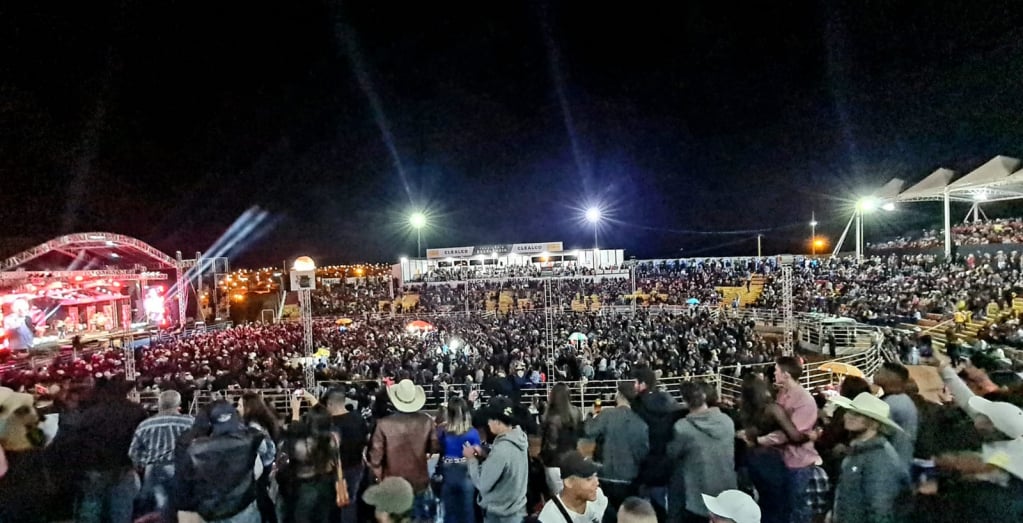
x=419 y=325
x=344 y=321
x=844 y=369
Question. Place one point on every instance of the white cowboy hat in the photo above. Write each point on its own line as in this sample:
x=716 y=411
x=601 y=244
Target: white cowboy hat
x=868 y=405
x=407 y=396
x=734 y=505
x=1006 y=417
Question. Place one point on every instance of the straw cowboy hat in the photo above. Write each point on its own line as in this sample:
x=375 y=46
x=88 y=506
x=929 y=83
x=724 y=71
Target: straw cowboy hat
x=868 y=405
x=407 y=396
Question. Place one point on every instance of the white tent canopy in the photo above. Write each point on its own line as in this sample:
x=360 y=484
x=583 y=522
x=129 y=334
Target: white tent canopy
x=998 y=179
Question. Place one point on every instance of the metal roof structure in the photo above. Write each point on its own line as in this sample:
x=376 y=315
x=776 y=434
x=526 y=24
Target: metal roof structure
x=998 y=179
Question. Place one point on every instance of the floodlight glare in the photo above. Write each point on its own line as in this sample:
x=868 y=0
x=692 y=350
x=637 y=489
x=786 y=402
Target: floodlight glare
x=813 y=223
x=417 y=220
x=868 y=204
x=888 y=206
x=979 y=197
x=593 y=215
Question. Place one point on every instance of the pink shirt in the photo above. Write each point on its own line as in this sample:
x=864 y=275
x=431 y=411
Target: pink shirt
x=798 y=403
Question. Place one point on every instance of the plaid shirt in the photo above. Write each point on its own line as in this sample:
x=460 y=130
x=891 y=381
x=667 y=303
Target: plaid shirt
x=818 y=492
x=156 y=437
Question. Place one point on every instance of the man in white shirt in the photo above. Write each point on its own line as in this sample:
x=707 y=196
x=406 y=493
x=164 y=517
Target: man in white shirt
x=581 y=501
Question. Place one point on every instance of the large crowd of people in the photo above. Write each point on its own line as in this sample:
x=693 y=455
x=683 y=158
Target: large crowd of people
x=902 y=288
x=777 y=453
x=454 y=349
x=999 y=230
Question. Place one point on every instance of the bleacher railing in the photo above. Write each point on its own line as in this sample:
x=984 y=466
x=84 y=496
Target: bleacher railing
x=728 y=381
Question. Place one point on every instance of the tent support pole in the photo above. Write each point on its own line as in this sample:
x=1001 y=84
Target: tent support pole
x=841 y=239
x=948 y=226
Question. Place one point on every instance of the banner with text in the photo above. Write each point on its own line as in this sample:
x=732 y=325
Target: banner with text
x=449 y=252
x=499 y=249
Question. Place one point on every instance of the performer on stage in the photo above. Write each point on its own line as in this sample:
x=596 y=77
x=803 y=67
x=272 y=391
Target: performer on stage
x=18 y=324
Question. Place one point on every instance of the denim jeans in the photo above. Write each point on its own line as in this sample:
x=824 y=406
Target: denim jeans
x=494 y=518
x=457 y=494
x=424 y=506
x=799 y=502
x=156 y=493
x=770 y=476
x=107 y=496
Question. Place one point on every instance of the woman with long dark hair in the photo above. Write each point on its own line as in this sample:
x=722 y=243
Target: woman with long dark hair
x=559 y=432
x=306 y=469
x=457 y=492
x=257 y=415
x=759 y=415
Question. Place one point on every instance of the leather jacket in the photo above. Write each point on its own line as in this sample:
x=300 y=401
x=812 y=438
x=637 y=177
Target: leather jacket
x=400 y=446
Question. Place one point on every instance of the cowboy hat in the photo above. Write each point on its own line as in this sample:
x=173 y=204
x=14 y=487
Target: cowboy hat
x=867 y=405
x=734 y=505
x=1006 y=417
x=407 y=396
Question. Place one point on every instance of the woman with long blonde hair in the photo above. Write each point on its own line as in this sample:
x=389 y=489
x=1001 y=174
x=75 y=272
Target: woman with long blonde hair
x=457 y=492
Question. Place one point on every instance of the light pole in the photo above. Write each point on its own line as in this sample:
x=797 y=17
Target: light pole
x=593 y=216
x=418 y=221
x=867 y=205
x=813 y=233
x=303 y=280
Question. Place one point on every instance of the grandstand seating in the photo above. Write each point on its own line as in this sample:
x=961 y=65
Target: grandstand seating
x=746 y=297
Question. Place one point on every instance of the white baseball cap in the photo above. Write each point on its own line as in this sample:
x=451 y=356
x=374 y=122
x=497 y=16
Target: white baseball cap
x=734 y=505
x=1006 y=417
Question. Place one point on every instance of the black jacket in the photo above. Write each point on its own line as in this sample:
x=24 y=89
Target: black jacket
x=217 y=479
x=660 y=411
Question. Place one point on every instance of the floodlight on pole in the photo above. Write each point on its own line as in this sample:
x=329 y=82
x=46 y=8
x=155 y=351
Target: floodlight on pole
x=418 y=221
x=867 y=204
x=593 y=216
x=813 y=233
x=303 y=280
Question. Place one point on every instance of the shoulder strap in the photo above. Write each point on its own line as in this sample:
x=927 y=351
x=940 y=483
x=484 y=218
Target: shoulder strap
x=561 y=508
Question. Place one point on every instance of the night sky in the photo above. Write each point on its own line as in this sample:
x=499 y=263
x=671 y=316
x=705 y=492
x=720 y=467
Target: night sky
x=167 y=120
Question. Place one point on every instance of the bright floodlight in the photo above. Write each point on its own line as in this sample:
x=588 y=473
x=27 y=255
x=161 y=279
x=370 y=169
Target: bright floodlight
x=593 y=215
x=979 y=197
x=868 y=204
x=813 y=223
x=417 y=220
x=889 y=207
x=304 y=263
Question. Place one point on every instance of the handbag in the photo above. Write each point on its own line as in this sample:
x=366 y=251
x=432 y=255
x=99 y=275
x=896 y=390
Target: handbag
x=341 y=498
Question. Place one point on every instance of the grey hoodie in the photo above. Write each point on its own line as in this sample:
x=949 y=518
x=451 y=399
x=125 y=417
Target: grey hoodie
x=501 y=478
x=704 y=448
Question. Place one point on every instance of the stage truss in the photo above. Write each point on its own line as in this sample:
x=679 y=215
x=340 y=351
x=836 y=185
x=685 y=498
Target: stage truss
x=88 y=247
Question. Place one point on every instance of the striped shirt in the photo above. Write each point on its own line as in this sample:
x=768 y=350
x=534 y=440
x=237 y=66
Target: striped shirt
x=156 y=437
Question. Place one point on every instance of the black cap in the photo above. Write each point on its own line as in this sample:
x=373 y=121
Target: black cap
x=574 y=464
x=502 y=409
x=224 y=417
